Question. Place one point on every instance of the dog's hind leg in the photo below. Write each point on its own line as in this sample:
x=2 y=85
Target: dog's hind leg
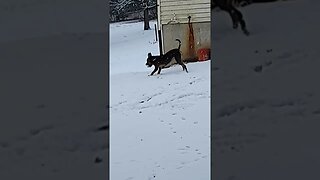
x=184 y=67
x=179 y=61
x=159 y=70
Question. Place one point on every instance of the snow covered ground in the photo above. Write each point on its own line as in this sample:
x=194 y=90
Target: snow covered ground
x=266 y=95
x=53 y=90
x=160 y=125
x=50 y=112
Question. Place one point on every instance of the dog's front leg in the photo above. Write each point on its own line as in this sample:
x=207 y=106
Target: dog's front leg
x=159 y=70
x=155 y=69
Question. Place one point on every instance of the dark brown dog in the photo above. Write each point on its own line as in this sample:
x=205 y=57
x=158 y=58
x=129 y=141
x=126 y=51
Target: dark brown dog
x=166 y=60
x=235 y=14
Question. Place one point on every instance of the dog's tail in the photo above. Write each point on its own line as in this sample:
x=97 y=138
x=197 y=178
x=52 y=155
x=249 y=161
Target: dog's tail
x=179 y=43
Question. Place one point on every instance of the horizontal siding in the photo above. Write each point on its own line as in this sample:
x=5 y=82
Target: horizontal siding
x=184 y=18
x=183 y=11
x=192 y=1
x=199 y=10
x=183 y=3
x=191 y=7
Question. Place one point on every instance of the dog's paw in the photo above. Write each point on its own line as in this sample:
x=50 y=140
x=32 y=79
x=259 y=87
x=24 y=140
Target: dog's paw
x=246 y=32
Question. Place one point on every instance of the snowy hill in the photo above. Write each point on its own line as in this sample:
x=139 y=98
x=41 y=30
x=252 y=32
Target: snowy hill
x=266 y=96
x=160 y=125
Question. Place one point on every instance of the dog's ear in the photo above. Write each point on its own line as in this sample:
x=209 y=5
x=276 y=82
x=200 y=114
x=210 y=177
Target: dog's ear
x=149 y=55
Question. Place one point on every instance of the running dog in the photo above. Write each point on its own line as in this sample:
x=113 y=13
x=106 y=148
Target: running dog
x=166 y=60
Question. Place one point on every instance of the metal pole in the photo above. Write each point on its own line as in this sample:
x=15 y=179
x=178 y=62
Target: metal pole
x=160 y=42
x=155 y=31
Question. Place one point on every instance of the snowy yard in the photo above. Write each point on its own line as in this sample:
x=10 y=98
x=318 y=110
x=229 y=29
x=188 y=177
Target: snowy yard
x=53 y=90
x=160 y=125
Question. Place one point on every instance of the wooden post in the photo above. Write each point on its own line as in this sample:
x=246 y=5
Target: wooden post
x=146 y=15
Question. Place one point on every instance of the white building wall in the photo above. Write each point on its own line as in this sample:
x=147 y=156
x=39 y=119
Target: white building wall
x=177 y=11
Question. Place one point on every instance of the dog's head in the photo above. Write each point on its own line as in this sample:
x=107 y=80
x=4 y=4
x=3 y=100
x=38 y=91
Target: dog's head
x=149 y=60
